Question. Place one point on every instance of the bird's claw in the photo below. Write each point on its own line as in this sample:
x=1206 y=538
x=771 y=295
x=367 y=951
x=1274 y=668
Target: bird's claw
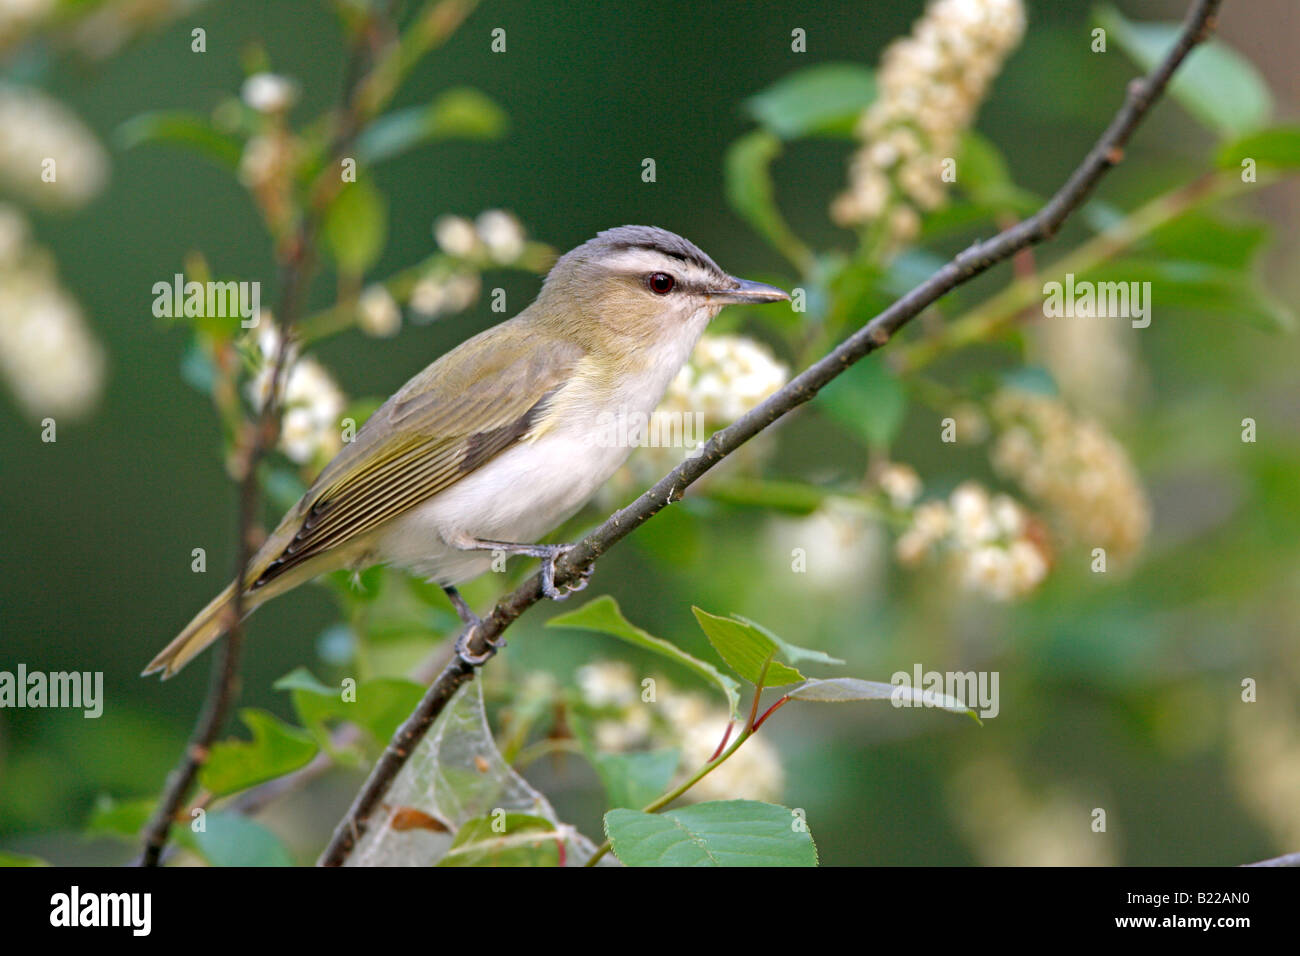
x=548 y=575
x=476 y=660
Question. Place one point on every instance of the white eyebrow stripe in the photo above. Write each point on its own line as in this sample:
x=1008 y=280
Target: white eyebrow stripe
x=637 y=261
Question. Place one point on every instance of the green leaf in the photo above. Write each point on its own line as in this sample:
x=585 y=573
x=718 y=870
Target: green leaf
x=276 y=749
x=356 y=226
x=1277 y=147
x=231 y=839
x=837 y=690
x=525 y=840
x=791 y=652
x=791 y=497
x=1217 y=85
x=1199 y=236
x=1202 y=287
x=354 y=587
x=983 y=175
x=723 y=833
x=825 y=99
x=179 y=128
x=751 y=194
x=461 y=113
x=868 y=400
x=635 y=779
x=746 y=649
x=20 y=859
x=381 y=704
x=603 y=616
x=124 y=819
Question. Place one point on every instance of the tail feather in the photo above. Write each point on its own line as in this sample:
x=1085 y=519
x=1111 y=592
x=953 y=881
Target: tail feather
x=208 y=625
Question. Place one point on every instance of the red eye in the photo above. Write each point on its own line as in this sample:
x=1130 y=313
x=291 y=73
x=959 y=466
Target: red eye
x=660 y=283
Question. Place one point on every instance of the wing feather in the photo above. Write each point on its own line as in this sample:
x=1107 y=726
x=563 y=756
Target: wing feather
x=448 y=421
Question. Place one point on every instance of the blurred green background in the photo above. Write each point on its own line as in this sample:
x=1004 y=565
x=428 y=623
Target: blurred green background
x=1118 y=691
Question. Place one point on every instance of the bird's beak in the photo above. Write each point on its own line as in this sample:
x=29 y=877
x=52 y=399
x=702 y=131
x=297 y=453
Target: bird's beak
x=747 y=291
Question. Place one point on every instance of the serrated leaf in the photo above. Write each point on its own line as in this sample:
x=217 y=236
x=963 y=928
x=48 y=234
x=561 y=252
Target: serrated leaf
x=356 y=226
x=1216 y=85
x=277 y=748
x=824 y=99
x=526 y=840
x=791 y=652
x=868 y=400
x=635 y=779
x=179 y=128
x=721 y=833
x=604 y=616
x=461 y=113
x=746 y=649
x=838 y=690
x=231 y=839
x=1277 y=147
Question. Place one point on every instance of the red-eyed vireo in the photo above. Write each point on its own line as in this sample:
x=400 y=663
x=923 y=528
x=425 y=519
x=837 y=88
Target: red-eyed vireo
x=496 y=444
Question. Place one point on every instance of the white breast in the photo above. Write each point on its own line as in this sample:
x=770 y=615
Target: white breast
x=528 y=490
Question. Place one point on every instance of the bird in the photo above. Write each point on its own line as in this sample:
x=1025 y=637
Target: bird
x=501 y=440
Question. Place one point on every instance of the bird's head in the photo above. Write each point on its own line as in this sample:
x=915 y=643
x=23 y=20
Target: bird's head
x=640 y=284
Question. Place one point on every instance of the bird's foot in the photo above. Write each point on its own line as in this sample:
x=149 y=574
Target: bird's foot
x=466 y=638
x=471 y=622
x=549 y=569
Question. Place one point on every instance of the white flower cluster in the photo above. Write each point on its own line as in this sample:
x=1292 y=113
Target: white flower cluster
x=684 y=720
x=495 y=236
x=48 y=357
x=94 y=29
x=1075 y=468
x=843 y=548
x=35 y=128
x=99 y=30
x=19 y=17
x=991 y=539
x=269 y=92
x=930 y=85
x=725 y=377
x=266 y=164
x=442 y=293
x=313 y=403
x=378 y=311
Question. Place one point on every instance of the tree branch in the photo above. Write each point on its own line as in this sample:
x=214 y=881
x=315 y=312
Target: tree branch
x=979 y=257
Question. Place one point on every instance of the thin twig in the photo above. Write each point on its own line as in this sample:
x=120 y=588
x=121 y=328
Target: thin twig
x=1108 y=151
x=256 y=440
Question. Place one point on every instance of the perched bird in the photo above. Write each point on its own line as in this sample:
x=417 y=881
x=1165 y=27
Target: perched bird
x=499 y=441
